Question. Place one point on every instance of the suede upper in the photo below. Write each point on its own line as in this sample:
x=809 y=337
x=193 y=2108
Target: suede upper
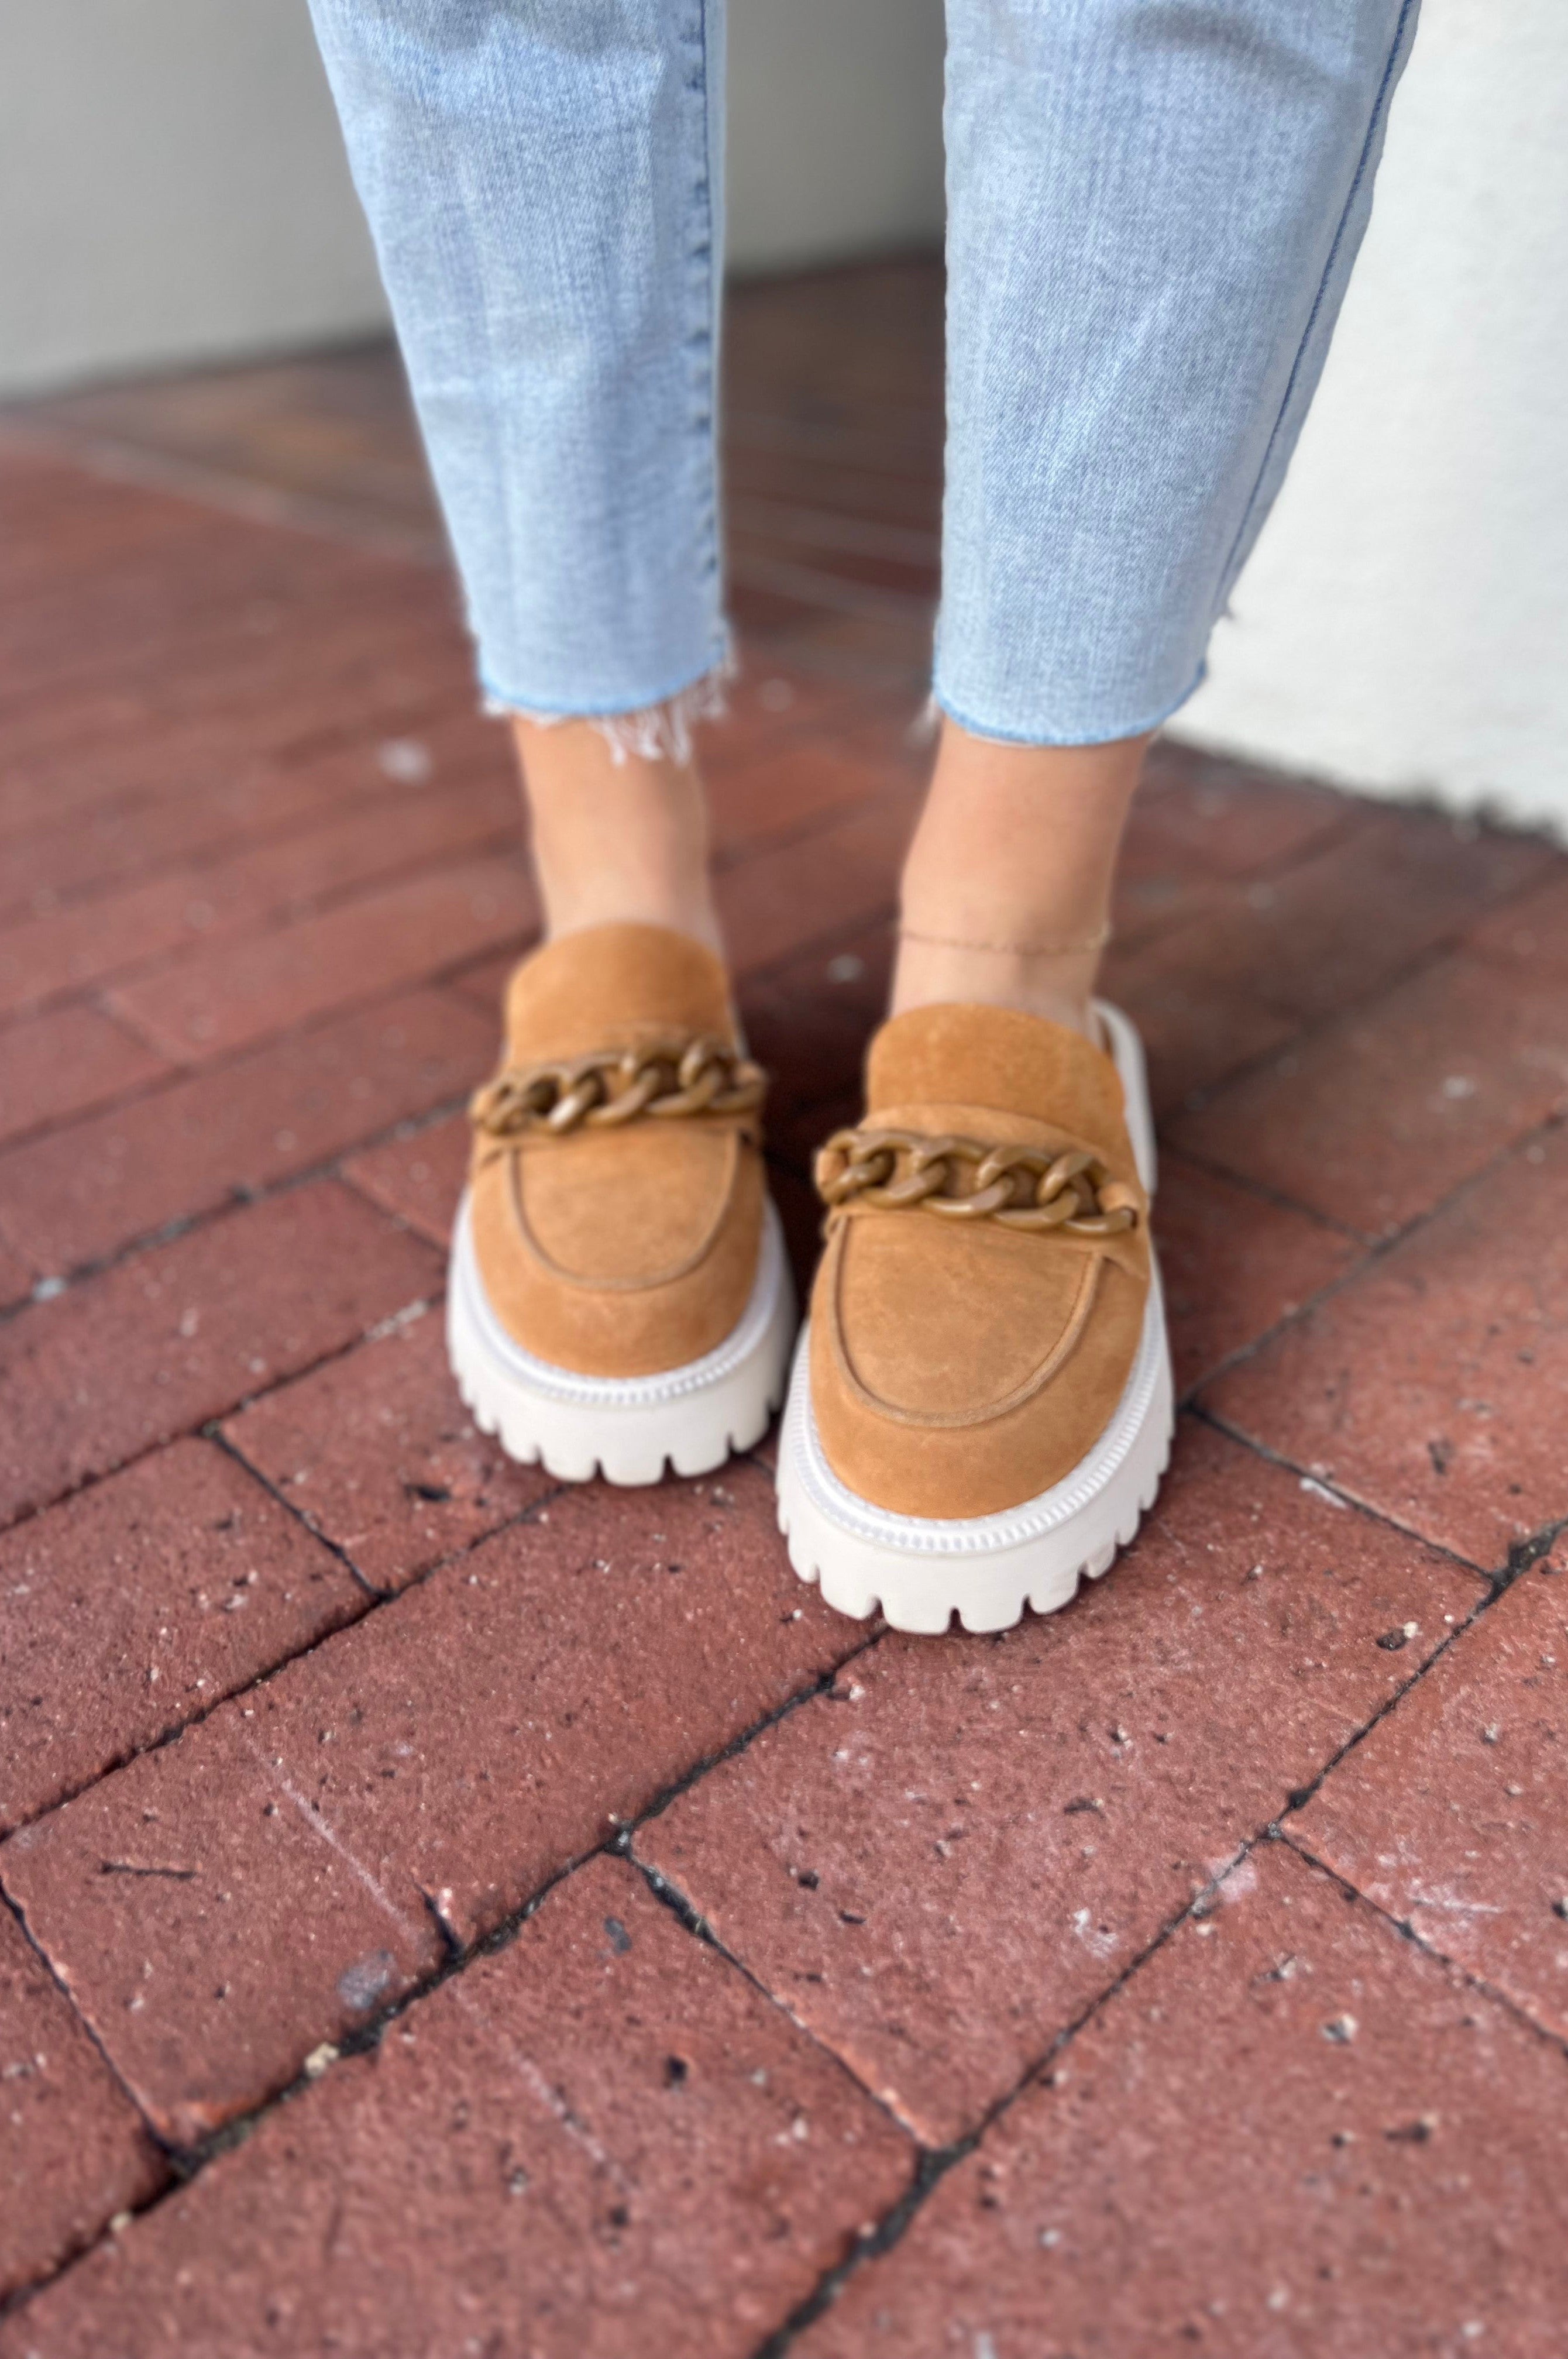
x=960 y=1369
x=625 y=1251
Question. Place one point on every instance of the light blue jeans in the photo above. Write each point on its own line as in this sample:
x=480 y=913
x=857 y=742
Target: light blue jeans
x=1153 y=210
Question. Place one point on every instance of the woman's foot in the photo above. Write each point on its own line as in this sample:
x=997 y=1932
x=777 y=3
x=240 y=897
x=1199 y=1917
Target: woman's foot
x=617 y=836
x=982 y=1409
x=619 y=1295
x=981 y=1406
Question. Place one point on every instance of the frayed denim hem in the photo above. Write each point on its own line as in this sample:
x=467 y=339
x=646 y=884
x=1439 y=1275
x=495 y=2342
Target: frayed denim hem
x=660 y=730
x=940 y=703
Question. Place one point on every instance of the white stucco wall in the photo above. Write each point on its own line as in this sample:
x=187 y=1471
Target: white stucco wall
x=1403 y=624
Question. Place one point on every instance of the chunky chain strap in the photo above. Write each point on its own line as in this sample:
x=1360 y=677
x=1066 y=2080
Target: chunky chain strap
x=1019 y=1186
x=684 y=1073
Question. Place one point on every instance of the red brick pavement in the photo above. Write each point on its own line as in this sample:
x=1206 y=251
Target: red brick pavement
x=445 y=1912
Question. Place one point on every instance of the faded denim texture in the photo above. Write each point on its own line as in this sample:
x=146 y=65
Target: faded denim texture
x=1154 y=206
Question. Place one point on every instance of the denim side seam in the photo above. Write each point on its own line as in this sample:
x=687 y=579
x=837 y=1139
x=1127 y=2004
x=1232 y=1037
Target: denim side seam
x=702 y=315
x=659 y=726
x=1240 y=547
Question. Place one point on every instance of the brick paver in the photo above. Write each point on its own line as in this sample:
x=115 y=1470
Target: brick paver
x=825 y=883
x=250 y=799
x=1384 y=1114
x=225 y=998
x=602 y=2139
x=211 y=1933
x=44 y=958
x=249 y=777
x=810 y=1020
x=419 y=1174
x=80 y=1194
x=309 y=1698
x=378 y=1452
x=1287 y=2135
x=870 y=1858
x=1450 y=1815
x=172 y=1337
x=16 y=1279
x=73 y=2151
x=124 y=773
x=1197 y=821
x=64 y=1064
x=1233 y=1263
x=137 y=1605
x=94 y=937
x=484 y=979
x=1531 y=932
x=1197 y=1029
x=788 y=789
x=1435 y=1386
x=1349 y=920
x=409 y=1785
x=1201 y=817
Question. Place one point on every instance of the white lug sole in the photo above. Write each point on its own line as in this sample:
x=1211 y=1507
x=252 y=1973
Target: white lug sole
x=626 y=1429
x=985 y=1569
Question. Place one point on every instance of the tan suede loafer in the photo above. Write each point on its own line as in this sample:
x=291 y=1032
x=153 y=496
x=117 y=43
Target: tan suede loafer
x=620 y=1296
x=982 y=1407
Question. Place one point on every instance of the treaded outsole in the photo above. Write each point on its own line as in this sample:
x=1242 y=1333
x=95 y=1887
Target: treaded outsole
x=1037 y=1597
x=627 y=1470
x=689 y=1418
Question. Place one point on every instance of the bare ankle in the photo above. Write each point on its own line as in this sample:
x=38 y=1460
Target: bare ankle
x=1061 y=989
x=1008 y=879
x=616 y=837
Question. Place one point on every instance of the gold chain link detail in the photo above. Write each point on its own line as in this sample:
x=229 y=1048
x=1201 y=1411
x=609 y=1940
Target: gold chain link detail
x=1019 y=1186
x=685 y=1073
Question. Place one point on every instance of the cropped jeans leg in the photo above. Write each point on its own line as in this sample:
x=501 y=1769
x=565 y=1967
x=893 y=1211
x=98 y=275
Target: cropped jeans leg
x=1153 y=208
x=543 y=182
